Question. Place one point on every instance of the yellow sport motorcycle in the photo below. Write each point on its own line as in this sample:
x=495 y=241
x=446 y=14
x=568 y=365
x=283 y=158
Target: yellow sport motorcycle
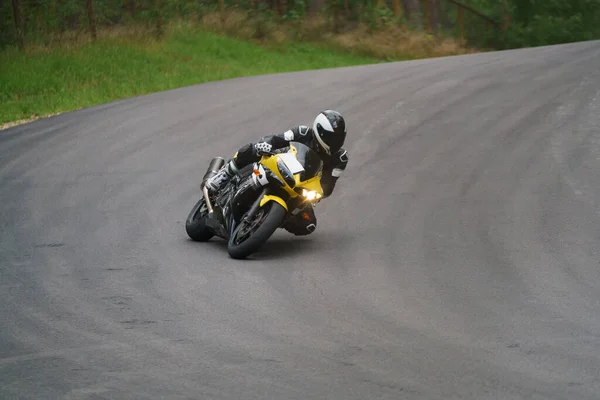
x=258 y=200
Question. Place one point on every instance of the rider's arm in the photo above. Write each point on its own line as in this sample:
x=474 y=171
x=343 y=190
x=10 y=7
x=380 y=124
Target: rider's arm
x=283 y=139
x=332 y=174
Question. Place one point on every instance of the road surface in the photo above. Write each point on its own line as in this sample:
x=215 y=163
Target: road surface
x=457 y=259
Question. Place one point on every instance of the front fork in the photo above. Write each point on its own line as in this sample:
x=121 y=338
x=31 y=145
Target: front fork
x=256 y=205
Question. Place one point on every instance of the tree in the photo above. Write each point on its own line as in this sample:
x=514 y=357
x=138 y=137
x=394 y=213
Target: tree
x=18 y=23
x=412 y=9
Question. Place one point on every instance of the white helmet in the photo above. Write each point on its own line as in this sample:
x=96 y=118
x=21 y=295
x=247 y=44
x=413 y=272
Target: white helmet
x=330 y=130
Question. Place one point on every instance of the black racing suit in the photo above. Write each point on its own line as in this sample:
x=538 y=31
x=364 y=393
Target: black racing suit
x=333 y=166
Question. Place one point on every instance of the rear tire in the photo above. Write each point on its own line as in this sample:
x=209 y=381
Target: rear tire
x=195 y=224
x=271 y=216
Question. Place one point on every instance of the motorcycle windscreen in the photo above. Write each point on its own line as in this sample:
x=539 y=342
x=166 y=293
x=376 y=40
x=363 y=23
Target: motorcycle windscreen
x=290 y=161
x=309 y=159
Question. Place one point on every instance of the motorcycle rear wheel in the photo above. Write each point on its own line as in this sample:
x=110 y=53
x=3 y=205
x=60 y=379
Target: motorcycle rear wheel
x=195 y=224
x=264 y=223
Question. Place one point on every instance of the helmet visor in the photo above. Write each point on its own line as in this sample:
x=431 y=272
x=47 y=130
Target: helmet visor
x=334 y=140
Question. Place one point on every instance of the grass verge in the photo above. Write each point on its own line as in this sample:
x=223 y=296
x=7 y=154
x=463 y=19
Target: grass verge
x=74 y=72
x=44 y=81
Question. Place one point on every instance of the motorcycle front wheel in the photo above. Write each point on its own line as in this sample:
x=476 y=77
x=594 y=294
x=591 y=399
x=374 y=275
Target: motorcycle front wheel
x=250 y=235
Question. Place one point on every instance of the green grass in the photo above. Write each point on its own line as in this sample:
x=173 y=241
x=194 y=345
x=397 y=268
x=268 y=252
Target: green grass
x=42 y=81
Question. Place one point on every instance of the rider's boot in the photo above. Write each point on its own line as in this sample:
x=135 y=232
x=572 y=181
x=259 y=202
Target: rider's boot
x=218 y=181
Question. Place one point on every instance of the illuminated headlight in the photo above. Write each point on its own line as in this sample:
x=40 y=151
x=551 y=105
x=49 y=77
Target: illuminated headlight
x=310 y=194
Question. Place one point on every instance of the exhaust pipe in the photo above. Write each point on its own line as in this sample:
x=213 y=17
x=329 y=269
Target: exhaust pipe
x=213 y=167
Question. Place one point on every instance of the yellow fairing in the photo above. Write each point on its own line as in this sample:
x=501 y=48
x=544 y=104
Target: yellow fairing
x=277 y=199
x=313 y=183
x=271 y=163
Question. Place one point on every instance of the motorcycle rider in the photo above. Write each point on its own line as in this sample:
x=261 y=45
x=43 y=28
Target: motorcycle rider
x=326 y=137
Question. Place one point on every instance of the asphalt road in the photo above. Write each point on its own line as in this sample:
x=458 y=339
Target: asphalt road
x=457 y=259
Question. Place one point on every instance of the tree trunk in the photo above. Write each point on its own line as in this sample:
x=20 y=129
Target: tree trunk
x=315 y=6
x=506 y=12
x=18 y=24
x=334 y=9
x=159 y=19
x=397 y=8
x=435 y=10
x=281 y=7
x=460 y=22
x=412 y=9
x=428 y=16
x=132 y=8
x=90 y=10
x=445 y=20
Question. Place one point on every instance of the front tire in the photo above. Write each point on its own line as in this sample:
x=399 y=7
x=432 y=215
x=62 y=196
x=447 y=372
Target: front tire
x=265 y=222
x=195 y=224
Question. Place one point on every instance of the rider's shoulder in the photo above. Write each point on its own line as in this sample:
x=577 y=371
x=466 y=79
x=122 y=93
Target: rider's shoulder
x=298 y=133
x=302 y=131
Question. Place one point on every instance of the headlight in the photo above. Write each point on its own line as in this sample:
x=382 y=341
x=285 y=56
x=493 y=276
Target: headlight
x=310 y=195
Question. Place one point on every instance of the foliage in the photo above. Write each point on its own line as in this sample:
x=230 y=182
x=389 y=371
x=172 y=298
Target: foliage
x=533 y=22
x=547 y=22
